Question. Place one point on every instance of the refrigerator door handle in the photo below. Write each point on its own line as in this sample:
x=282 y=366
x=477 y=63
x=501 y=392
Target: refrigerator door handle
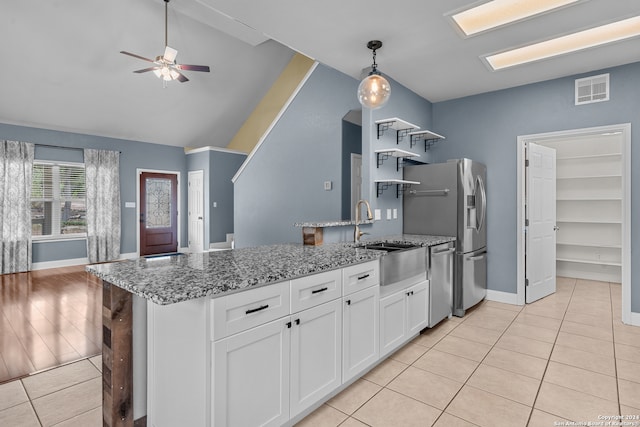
x=477 y=257
x=483 y=197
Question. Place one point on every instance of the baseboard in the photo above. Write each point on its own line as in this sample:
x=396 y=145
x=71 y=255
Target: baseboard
x=72 y=262
x=59 y=263
x=504 y=297
x=635 y=319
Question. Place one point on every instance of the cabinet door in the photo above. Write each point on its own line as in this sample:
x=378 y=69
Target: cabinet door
x=417 y=307
x=360 y=331
x=392 y=322
x=316 y=354
x=250 y=377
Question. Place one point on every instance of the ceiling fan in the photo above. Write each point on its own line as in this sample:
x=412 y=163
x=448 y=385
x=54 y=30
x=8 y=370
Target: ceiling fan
x=165 y=66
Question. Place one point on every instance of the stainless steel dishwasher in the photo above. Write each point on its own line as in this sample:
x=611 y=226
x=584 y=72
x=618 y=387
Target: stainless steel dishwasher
x=440 y=275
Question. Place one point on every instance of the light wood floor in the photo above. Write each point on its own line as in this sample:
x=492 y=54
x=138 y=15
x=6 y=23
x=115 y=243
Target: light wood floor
x=48 y=318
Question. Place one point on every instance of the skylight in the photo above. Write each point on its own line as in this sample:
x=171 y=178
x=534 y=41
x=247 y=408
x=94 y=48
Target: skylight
x=496 y=13
x=597 y=36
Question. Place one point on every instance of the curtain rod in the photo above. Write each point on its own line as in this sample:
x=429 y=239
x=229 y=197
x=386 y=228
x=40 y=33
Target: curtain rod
x=61 y=146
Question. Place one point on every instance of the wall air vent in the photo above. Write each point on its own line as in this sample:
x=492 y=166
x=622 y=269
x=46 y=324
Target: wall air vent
x=592 y=89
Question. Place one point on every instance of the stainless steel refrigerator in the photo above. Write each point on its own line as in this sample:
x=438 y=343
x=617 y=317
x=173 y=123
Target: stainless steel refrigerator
x=451 y=200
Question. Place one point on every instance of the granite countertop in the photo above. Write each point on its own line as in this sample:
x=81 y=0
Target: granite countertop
x=337 y=223
x=416 y=239
x=176 y=278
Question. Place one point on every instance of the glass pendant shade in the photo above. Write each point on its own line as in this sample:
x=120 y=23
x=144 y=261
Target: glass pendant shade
x=374 y=91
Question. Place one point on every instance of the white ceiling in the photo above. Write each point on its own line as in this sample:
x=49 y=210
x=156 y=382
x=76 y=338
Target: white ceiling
x=62 y=70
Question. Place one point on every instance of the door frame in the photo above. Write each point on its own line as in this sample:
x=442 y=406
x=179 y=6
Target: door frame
x=625 y=128
x=139 y=172
x=205 y=242
x=354 y=200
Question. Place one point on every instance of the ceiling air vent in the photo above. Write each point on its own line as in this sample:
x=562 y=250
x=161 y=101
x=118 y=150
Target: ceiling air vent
x=592 y=89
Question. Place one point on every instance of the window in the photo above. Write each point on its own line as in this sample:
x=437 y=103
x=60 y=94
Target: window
x=58 y=204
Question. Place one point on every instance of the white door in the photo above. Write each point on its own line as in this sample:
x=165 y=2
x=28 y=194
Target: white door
x=356 y=181
x=417 y=307
x=540 y=268
x=196 y=211
x=316 y=354
x=250 y=382
x=393 y=325
x=360 y=331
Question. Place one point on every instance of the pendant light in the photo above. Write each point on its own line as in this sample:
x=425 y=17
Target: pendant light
x=374 y=90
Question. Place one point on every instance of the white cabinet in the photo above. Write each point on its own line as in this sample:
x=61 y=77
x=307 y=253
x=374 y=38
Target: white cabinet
x=250 y=384
x=316 y=354
x=262 y=357
x=589 y=206
x=360 y=331
x=403 y=314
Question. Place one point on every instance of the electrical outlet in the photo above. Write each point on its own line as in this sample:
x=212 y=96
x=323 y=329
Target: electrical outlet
x=395 y=214
x=129 y=204
x=377 y=215
x=215 y=204
x=388 y=214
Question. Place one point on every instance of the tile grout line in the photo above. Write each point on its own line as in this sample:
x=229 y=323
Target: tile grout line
x=575 y=284
x=476 y=368
x=615 y=362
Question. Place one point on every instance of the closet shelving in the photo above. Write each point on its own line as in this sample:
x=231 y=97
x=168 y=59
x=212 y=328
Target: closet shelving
x=589 y=207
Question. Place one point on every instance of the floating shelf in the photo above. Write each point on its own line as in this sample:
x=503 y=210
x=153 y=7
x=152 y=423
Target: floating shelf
x=590 y=156
x=595 y=262
x=384 y=153
x=427 y=136
x=402 y=127
x=401 y=185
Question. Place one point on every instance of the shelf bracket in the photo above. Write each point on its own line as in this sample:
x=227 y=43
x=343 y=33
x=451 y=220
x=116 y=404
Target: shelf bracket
x=382 y=127
x=401 y=188
x=401 y=133
x=380 y=158
x=381 y=186
x=428 y=143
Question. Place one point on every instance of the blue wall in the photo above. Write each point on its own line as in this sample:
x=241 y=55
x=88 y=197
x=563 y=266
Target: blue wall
x=195 y=162
x=485 y=128
x=224 y=166
x=351 y=143
x=283 y=182
x=409 y=107
x=133 y=155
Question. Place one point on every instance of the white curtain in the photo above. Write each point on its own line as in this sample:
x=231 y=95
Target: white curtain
x=16 y=165
x=102 y=177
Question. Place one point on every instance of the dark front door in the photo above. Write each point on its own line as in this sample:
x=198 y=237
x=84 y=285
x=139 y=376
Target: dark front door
x=158 y=213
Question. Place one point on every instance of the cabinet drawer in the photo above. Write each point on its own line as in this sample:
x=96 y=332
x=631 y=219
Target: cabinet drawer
x=360 y=276
x=309 y=291
x=238 y=312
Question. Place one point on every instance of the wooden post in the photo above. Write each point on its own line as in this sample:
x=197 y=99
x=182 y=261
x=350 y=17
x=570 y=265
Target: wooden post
x=117 y=357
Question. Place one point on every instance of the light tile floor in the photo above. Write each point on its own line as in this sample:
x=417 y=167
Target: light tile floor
x=566 y=357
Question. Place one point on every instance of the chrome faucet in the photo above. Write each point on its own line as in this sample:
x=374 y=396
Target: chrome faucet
x=357 y=233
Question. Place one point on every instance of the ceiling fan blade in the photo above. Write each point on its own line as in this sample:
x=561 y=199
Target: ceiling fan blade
x=136 y=56
x=204 y=68
x=182 y=78
x=170 y=54
x=144 y=70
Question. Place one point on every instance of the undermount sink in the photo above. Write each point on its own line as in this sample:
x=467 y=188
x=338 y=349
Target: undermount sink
x=401 y=261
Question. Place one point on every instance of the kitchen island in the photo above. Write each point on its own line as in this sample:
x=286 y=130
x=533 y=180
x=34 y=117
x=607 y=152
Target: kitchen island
x=191 y=317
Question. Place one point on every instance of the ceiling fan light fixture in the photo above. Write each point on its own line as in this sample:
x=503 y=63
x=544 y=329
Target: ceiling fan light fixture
x=374 y=90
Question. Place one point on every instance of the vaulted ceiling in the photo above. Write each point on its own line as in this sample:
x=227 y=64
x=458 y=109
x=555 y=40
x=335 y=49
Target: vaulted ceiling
x=62 y=70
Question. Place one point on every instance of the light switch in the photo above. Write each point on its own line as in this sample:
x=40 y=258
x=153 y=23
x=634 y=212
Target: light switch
x=395 y=214
x=388 y=213
x=327 y=185
x=377 y=215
